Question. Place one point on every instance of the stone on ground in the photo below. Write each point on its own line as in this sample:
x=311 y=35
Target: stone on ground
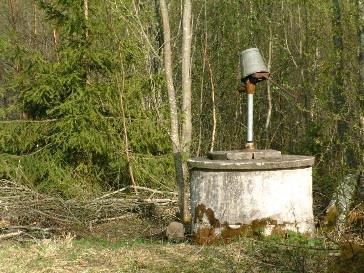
x=175 y=231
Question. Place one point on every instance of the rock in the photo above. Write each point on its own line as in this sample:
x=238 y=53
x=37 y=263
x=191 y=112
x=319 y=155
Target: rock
x=340 y=205
x=175 y=231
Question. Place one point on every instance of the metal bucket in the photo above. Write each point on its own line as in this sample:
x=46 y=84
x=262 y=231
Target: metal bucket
x=251 y=62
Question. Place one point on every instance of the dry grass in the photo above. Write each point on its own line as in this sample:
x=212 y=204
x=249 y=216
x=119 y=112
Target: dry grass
x=128 y=237
x=67 y=254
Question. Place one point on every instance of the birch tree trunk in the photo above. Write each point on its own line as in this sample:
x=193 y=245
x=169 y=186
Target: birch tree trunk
x=186 y=100
x=174 y=134
x=186 y=77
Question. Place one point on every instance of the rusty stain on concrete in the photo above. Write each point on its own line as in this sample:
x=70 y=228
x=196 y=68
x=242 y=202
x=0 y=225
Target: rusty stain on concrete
x=213 y=232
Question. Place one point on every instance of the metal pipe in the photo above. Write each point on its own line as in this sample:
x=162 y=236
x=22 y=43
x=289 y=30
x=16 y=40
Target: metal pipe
x=250 y=119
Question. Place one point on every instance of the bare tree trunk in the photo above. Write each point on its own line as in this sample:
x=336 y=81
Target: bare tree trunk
x=202 y=82
x=55 y=38
x=186 y=98
x=186 y=76
x=85 y=9
x=169 y=76
x=35 y=29
x=269 y=95
x=200 y=109
x=360 y=8
x=174 y=135
x=360 y=5
x=120 y=88
x=303 y=46
x=56 y=43
x=125 y=129
x=213 y=134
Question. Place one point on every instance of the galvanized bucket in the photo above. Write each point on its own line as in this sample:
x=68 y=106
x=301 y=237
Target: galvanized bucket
x=251 y=62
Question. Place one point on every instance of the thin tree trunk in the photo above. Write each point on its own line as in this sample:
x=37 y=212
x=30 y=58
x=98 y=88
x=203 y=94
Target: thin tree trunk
x=361 y=39
x=56 y=43
x=169 y=77
x=120 y=87
x=85 y=9
x=202 y=82
x=55 y=38
x=338 y=87
x=186 y=77
x=269 y=95
x=303 y=46
x=35 y=29
x=200 y=109
x=125 y=129
x=360 y=5
x=174 y=135
x=186 y=98
x=339 y=48
x=213 y=133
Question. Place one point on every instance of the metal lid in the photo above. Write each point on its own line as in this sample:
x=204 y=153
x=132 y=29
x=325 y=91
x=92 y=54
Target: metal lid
x=244 y=154
x=285 y=162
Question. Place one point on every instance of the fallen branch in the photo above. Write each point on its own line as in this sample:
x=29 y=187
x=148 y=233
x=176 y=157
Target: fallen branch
x=156 y=191
x=112 y=193
x=159 y=201
x=10 y=235
x=29 y=228
x=21 y=205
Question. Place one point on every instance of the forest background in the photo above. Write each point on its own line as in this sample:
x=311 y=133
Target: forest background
x=84 y=104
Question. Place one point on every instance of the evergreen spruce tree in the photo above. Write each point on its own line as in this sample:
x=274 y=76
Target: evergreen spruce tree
x=72 y=141
x=66 y=94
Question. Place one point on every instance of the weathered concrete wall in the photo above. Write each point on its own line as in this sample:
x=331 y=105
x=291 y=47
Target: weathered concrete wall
x=236 y=198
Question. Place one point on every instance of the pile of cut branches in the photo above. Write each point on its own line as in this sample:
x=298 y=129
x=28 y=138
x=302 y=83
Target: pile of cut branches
x=24 y=210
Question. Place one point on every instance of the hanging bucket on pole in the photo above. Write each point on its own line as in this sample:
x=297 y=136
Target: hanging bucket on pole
x=251 y=62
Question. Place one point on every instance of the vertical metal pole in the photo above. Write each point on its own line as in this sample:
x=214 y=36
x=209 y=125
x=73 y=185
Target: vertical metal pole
x=250 y=119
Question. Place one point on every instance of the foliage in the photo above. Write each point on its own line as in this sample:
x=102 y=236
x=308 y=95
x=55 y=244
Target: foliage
x=75 y=145
x=63 y=78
